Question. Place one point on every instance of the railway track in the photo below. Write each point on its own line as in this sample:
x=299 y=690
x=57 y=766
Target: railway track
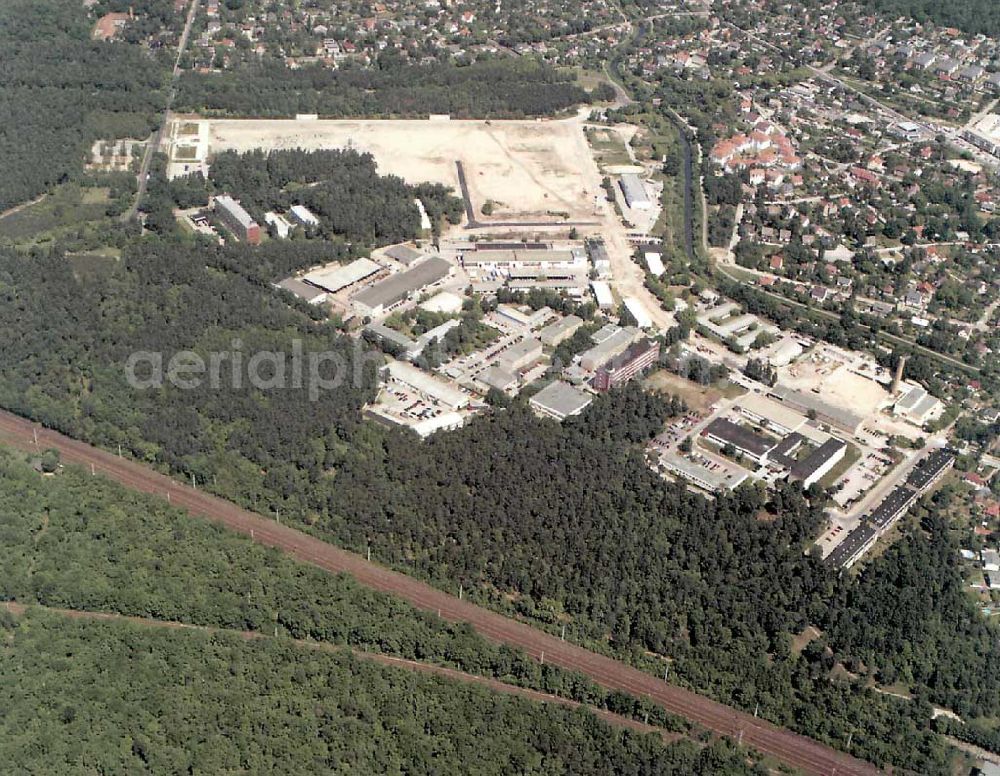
x=790 y=748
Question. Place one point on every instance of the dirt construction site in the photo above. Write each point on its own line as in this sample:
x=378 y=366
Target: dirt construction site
x=524 y=168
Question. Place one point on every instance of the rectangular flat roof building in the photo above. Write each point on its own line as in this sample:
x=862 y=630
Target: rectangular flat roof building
x=281 y=227
x=427 y=384
x=639 y=312
x=237 y=219
x=407 y=346
x=702 y=476
x=634 y=191
x=520 y=355
x=560 y=400
x=334 y=277
x=497 y=377
x=303 y=290
x=828 y=413
x=304 y=215
x=562 y=329
x=815 y=466
x=725 y=432
x=609 y=348
x=404 y=254
x=769 y=413
x=625 y=366
x=377 y=298
x=602 y=293
x=654 y=263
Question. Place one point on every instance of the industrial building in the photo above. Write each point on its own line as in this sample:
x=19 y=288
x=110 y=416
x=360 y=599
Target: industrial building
x=818 y=463
x=378 y=298
x=754 y=446
x=725 y=322
x=625 y=366
x=427 y=384
x=521 y=319
x=304 y=216
x=406 y=346
x=638 y=311
x=335 y=277
x=609 y=347
x=602 y=293
x=825 y=412
x=714 y=481
x=770 y=414
x=497 y=377
x=237 y=219
x=303 y=291
x=599 y=258
x=506 y=261
x=634 y=191
x=278 y=223
x=917 y=406
x=404 y=254
x=521 y=355
x=560 y=400
x=526 y=268
x=559 y=331
x=424 y=427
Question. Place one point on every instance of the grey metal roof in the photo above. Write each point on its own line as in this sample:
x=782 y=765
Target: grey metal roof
x=399 y=286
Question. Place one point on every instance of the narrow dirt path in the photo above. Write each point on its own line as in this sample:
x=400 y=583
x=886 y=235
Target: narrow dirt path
x=495 y=685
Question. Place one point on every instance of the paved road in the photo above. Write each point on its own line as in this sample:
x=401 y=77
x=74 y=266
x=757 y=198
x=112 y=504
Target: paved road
x=495 y=685
x=790 y=748
x=157 y=139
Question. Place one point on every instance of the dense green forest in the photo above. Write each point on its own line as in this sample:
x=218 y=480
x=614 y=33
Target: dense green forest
x=342 y=187
x=501 y=88
x=79 y=542
x=908 y=620
x=107 y=697
x=60 y=91
x=976 y=17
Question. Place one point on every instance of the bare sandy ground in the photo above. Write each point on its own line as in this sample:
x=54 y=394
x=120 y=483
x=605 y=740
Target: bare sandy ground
x=838 y=385
x=524 y=167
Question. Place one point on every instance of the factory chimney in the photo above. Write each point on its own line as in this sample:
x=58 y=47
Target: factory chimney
x=897 y=378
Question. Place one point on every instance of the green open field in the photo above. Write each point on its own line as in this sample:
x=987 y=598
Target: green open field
x=608 y=147
x=67 y=206
x=697 y=397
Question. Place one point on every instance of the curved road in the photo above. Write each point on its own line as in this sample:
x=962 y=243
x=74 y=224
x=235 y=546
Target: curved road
x=790 y=748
